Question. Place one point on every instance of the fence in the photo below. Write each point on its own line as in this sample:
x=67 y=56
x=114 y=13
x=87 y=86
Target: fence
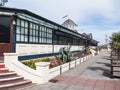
x=115 y=62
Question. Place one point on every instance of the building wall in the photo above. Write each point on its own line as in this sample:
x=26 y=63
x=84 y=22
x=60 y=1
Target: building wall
x=41 y=49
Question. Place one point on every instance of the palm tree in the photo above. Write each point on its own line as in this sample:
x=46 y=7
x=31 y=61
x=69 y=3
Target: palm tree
x=115 y=40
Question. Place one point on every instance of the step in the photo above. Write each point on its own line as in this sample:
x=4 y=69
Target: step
x=10 y=79
x=4 y=70
x=7 y=74
x=24 y=87
x=15 y=84
x=2 y=65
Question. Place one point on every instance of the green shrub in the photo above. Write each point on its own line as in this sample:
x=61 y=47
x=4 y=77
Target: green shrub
x=31 y=63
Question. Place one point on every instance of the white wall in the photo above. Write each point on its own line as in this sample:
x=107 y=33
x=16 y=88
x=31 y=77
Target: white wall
x=41 y=48
x=33 y=48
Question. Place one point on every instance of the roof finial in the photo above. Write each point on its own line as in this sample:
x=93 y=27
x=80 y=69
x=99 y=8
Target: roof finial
x=65 y=16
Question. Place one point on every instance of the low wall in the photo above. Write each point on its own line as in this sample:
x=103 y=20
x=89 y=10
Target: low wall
x=11 y=62
x=42 y=48
x=67 y=66
x=42 y=74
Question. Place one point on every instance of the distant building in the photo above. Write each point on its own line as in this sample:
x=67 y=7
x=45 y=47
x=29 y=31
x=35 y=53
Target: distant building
x=88 y=35
x=90 y=41
x=70 y=24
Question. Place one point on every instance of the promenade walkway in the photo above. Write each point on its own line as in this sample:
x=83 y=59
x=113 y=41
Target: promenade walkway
x=93 y=74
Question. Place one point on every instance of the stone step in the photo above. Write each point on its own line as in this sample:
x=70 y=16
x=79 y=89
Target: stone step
x=7 y=74
x=14 y=84
x=23 y=87
x=4 y=70
x=10 y=79
x=2 y=65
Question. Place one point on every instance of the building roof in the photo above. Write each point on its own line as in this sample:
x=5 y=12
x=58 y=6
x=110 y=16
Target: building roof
x=89 y=36
x=69 y=22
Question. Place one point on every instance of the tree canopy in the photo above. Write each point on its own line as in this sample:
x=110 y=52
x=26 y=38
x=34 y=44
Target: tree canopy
x=115 y=40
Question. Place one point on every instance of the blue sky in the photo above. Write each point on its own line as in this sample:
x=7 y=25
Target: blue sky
x=99 y=17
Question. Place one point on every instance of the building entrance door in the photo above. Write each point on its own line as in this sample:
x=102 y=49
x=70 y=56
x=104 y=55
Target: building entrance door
x=5 y=35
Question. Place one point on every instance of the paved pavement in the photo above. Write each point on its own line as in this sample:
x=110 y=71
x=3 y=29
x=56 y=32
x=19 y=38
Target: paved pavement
x=93 y=74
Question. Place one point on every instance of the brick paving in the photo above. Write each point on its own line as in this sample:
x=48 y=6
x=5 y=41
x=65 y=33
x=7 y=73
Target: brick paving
x=93 y=74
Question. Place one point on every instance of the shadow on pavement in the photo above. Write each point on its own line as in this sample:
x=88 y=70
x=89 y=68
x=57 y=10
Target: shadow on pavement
x=105 y=69
x=106 y=57
x=106 y=72
x=106 y=64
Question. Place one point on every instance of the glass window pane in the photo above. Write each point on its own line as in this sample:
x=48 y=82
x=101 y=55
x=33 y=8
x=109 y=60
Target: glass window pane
x=44 y=40
x=50 y=35
x=45 y=29
x=18 y=22
x=22 y=37
x=18 y=30
x=30 y=25
x=26 y=31
x=40 y=40
x=26 y=24
x=31 y=32
x=43 y=34
x=40 y=34
x=22 y=31
x=18 y=37
x=34 y=32
x=50 y=31
x=30 y=38
x=42 y=29
x=26 y=38
x=22 y=23
x=36 y=27
x=36 y=39
x=50 y=40
x=33 y=26
x=33 y=39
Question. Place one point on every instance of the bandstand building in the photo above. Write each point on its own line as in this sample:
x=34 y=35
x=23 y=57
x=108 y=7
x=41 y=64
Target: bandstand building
x=25 y=32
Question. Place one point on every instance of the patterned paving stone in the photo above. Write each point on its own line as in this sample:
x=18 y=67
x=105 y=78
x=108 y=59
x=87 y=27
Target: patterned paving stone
x=93 y=74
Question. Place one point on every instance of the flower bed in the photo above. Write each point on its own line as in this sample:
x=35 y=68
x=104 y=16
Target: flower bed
x=31 y=63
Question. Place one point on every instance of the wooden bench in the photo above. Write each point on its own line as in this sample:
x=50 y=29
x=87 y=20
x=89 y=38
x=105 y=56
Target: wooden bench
x=115 y=62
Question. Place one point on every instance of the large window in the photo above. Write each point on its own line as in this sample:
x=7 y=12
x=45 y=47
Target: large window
x=22 y=31
x=45 y=35
x=5 y=29
x=34 y=33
